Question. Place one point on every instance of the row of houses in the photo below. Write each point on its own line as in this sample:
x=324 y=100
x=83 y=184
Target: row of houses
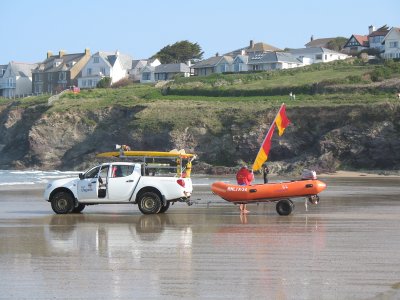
x=60 y=71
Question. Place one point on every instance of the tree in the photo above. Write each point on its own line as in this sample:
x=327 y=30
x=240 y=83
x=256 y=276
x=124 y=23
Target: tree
x=337 y=44
x=105 y=82
x=180 y=52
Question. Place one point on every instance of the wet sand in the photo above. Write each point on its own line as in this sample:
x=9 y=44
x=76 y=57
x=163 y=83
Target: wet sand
x=347 y=247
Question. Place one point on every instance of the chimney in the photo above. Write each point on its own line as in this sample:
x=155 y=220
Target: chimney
x=251 y=44
x=61 y=53
x=117 y=53
x=49 y=53
x=312 y=38
x=87 y=51
x=371 y=29
x=217 y=54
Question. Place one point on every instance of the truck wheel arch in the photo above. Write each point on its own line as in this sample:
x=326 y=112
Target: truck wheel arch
x=149 y=189
x=61 y=189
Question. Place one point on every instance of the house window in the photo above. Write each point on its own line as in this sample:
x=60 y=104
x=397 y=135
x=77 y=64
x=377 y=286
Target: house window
x=146 y=75
x=62 y=76
x=96 y=59
x=394 y=44
x=103 y=71
x=89 y=71
x=318 y=56
x=84 y=83
x=90 y=82
x=50 y=76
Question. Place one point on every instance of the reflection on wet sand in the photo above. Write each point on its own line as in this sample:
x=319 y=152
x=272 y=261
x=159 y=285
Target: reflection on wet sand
x=341 y=249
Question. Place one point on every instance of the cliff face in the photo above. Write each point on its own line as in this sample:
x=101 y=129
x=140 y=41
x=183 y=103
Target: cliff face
x=323 y=138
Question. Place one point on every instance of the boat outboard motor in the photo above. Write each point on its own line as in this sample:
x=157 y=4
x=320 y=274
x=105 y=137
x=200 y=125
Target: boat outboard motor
x=308 y=175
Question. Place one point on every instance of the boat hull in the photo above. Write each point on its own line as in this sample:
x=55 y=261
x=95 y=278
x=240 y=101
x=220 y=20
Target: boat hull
x=269 y=192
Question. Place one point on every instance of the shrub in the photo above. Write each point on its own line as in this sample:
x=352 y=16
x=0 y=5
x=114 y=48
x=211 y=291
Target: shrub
x=122 y=82
x=104 y=83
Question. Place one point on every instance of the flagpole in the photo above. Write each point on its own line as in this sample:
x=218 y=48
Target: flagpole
x=270 y=127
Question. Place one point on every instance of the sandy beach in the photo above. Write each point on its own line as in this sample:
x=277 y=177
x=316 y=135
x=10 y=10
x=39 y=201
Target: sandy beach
x=342 y=248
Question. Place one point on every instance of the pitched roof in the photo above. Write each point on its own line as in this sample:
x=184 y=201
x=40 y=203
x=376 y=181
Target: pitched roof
x=111 y=58
x=393 y=29
x=55 y=63
x=361 y=39
x=257 y=47
x=311 y=51
x=138 y=63
x=319 y=42
x=382 y=31
x=172 y=68
x=22 y=69
x=271 y=57
x=212 y=61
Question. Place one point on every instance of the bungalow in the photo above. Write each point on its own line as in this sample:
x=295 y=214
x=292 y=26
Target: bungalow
x=164 y=72
x=240 y=63
x=57 y=72
x=215 y=64
x=16 y=79
x=104 y=64
x=392 y=44
x=316 y=55
x=273 y=61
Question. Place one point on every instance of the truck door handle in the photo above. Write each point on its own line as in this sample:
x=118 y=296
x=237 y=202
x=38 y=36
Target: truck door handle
x=129 y=180
x=93 y=181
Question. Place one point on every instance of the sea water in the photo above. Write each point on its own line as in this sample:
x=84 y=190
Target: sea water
x=32 y=177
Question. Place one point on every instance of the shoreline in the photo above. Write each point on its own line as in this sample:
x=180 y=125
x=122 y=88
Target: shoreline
x=353 y=174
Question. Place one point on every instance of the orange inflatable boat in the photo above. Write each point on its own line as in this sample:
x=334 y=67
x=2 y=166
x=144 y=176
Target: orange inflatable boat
x=271 y=192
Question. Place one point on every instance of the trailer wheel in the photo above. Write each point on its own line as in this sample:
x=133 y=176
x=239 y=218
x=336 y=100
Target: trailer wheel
x=62 y=203
x=164 y=208
x=149 y=203
x=284 y=207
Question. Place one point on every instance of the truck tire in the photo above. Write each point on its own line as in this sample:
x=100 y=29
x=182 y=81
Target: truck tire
x=149 y=203
x=62 y=203
x=164 y=208
x=78 y=209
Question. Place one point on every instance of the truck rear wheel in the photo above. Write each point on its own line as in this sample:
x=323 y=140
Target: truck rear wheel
x=164 y=208
x=149 y=203
x=62 y=203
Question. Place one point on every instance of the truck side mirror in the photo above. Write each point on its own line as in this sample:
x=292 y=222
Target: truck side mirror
x=81 y=176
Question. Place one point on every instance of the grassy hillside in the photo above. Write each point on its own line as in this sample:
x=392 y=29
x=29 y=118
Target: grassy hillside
x=337 y=83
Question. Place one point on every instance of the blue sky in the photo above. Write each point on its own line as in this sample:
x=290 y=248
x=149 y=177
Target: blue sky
x=141 y=28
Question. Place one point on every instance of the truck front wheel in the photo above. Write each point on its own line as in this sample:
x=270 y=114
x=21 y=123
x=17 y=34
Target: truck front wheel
x=149 y=203
x=62 y=203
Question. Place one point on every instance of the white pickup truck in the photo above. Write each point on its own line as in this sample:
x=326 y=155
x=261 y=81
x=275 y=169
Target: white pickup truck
x=117 y=183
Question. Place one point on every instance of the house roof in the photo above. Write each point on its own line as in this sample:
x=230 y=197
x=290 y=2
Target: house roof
x=382 y=31
x=392 y=30
x=311 y=51
x=138 y=63
x=256 y=47
x=271 y=57
x=55 y=63
x=319 y=42
x=22 y=69
x=212 y=62
x=243 y=58
x=172 y=68
x=111 y=58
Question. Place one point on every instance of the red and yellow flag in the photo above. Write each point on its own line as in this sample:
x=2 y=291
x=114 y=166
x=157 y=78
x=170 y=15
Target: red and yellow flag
x=281 y=122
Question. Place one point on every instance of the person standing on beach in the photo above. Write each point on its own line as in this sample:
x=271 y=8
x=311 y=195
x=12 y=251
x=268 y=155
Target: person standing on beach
x=244 y=177
x=265 y=173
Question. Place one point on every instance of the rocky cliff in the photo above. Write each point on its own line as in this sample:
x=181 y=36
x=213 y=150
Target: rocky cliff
x=323 y=138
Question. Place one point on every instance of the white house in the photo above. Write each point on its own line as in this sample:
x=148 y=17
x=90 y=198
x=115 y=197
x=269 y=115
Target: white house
x=138 y=66
x=16 y=79
x=392 y=44
x=316 y=55
x=104 y=64
x=240 y=63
